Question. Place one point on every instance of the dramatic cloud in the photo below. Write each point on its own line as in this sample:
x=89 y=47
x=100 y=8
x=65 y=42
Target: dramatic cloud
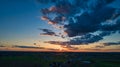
x=80 y=19
x=112 y=27
x=87 y=23
x=84 y=39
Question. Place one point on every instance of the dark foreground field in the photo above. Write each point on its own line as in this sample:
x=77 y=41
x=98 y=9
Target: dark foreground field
x=54 y=59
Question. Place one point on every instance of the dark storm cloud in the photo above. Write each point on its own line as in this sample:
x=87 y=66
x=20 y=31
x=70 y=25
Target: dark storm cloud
x=84 y=18
x=87 y=23
x=48 y=32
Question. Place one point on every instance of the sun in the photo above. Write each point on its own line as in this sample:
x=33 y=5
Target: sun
x=60 y=49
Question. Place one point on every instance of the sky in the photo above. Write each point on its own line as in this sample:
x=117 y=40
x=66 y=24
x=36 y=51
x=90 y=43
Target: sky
x=60 y=25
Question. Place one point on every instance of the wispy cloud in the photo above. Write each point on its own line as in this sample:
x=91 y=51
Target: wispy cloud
x=17 y=46
x=111 y=43
x=48 y=32
x=34 y=47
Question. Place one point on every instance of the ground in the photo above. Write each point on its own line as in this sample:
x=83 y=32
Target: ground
x=59 y=59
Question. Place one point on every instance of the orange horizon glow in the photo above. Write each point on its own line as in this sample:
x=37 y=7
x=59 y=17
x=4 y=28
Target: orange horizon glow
x=55 y=50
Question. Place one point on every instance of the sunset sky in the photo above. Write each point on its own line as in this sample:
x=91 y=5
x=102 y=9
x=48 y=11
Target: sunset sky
x=60 y=25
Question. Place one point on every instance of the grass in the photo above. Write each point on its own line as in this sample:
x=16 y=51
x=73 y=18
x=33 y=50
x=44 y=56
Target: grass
x=45 y=59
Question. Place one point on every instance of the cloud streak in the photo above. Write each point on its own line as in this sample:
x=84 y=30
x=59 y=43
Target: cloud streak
x=111 y=43
x=17 y=46
x=2 y=46
x=48 y=32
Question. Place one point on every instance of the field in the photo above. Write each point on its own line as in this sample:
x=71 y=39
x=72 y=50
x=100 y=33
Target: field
x=59 y=59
